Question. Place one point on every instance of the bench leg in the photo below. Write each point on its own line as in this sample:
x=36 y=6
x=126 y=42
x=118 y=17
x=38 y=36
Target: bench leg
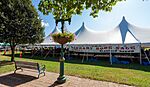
x=18 y=69
x=15 y=71
x=44 y=73
x=38 y=75
x=21 y=69
x=41 y=73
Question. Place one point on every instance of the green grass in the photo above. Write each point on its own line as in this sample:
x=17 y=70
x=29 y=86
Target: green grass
x=131 y=74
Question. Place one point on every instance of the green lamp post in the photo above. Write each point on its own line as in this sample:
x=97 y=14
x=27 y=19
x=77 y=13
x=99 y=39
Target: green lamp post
x=63 y=10
x=62 y=78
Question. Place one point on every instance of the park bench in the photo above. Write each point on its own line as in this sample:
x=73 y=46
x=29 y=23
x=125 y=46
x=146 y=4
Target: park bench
x=30 y=65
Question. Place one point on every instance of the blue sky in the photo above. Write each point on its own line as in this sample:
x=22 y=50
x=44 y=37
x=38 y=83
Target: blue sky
x=136 y=12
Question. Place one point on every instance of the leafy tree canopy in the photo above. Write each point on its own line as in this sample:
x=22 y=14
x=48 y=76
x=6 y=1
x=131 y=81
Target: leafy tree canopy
x=64 y=9
x=19 y=23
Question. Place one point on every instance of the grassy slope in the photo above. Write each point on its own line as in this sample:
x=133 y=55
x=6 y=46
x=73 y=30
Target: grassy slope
x=132 y=74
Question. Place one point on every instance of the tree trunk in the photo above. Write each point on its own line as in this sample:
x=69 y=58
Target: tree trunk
x=12 y=53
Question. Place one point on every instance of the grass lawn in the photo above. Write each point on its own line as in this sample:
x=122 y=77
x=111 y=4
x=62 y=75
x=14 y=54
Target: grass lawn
x=131 y=74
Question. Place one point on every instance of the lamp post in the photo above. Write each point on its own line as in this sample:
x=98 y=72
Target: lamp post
x=62 y=78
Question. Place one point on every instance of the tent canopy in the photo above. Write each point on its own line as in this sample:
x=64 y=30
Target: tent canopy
x=124 y=33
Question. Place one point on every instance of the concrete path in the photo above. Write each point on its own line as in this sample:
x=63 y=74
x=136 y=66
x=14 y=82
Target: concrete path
x=28 y=78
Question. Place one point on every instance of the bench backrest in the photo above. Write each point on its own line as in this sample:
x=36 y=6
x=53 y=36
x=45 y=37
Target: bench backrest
x=23 y=64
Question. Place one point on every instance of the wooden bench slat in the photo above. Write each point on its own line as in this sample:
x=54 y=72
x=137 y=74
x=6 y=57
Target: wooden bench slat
x=26 y=66
x=30 y=65
x=26 y=63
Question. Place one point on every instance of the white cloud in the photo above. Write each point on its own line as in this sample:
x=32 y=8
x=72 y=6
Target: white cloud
x=45 y=24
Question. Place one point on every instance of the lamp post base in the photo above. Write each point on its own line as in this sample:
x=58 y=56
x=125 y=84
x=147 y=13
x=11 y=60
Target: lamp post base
x=61 y=79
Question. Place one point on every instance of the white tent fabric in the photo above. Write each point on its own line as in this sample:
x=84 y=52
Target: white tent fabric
x=123 y=33
x=143 y=35
x=48 y=40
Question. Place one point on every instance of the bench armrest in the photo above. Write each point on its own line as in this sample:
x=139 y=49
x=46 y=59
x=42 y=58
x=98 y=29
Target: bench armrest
x=42 y=67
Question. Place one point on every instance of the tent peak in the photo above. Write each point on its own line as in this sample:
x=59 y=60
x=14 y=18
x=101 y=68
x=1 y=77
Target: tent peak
x=123 y=18
x=123 y=22
x=83 y=23
x=123 y=28
x=81 y=29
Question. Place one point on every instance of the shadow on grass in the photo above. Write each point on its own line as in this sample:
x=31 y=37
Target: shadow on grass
x=13 y=80
x=100 y=62
x=5 y=62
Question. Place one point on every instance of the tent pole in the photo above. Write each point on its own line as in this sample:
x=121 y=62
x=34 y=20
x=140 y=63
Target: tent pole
x=83 y=57
x=110 y=57
x=41 y=51
x=87 y=56
x=53 y=51
x=140 y=55
x=34 y=54
x=46 y=54
x=68 y=51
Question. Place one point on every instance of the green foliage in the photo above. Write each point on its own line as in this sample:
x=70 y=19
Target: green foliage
x=65 y=9
x=19 y=22
x=63 y=38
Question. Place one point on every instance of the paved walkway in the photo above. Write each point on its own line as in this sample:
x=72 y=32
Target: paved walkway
x=28 y=79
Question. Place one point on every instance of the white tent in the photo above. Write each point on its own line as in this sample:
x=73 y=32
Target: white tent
x=123 y=33
x=48 y=40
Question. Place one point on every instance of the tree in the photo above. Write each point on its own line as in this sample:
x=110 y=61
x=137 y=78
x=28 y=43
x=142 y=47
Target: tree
x=19 y=23
x=63 y=10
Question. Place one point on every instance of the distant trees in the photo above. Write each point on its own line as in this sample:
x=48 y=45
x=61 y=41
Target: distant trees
x=19 y=23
